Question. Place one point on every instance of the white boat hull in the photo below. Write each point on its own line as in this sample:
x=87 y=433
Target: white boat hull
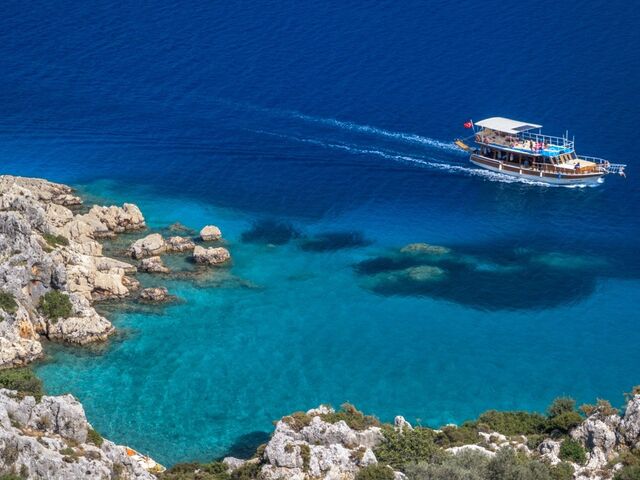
x=535 y=176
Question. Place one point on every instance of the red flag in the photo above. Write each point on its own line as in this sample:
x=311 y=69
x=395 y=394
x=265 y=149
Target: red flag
x=468 y=124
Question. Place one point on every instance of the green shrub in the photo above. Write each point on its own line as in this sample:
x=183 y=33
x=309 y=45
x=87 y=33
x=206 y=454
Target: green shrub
x=352 y=416
x=466 y=465
x=23 y=380
x=629 y=472
x=94 y=437
x=514 y=423
x=11 y=476
x=510 y=465
x=305 y=453
x=248 y=471
x=564 y=422
x=409 y=446
x=572 y=451
x=452 y=436
x=602 y=407
x=297 y=420
x=562 y=471
x=561 y=405
x=196 y=471
x=55 y=305
x=375 y=472
x=55 y=240
x=8 y=302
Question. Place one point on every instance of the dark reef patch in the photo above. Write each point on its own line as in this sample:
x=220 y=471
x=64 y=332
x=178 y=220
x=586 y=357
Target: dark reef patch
x=331 y=241
x=270 y=232
x=245 y=445
x=493 y=278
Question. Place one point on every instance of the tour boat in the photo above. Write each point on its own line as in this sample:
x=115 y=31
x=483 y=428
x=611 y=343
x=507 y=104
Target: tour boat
x=519 y=149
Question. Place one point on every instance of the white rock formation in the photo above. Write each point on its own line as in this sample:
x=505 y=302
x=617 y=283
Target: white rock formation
x=153 y=265
x=180 y=244
x=211 y=256
x=148 y=246
x=44 y=246
x=49 y=440
x=210 y=233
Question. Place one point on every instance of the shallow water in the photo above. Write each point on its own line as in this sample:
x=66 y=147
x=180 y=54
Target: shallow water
x=318 y=139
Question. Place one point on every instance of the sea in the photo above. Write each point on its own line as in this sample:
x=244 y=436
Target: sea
x=318 y=136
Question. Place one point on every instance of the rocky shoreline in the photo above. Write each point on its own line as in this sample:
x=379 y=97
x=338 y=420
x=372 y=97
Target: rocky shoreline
x=52 y=273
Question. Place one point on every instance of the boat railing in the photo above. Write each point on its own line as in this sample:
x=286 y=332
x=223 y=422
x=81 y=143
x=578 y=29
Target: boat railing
x=563 y=142
x=605 y=164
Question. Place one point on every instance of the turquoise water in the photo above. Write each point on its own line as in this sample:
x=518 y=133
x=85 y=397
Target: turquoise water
x=318 y=126
x=208 y=376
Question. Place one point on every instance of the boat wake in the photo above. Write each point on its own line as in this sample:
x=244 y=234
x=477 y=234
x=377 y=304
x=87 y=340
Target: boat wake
x=429 y=162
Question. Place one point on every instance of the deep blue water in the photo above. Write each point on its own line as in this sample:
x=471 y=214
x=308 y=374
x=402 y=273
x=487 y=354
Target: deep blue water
x=302 y=129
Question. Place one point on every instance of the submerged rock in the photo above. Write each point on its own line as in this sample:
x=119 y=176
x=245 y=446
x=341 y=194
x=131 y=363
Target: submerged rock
x=210 y=233
x=424 y=249
x=155 y=294
x=424 y=273
x=270 y=232
x=211 y=256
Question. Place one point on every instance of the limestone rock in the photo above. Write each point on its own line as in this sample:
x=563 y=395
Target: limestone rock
x=210 y=233
x=550 y=450
x=119 y=219
x=473 y=448
x=180 y=244
x=48 y=439
x=233 y=463
x=154 y=294
x=598 y=434
x=319 y=449
x=401 y=424
x=148 y=246
x=211 y=256
x=153 y=265
x=630 y=424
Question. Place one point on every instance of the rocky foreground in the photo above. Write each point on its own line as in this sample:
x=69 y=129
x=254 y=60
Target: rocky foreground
x=53 y=271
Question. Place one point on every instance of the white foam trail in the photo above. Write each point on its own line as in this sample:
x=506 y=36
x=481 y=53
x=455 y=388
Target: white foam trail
x=408 y=137
x=431 y=163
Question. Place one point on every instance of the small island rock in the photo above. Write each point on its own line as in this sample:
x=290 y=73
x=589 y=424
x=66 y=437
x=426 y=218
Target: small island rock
x=210 y=233
x=180 y=244
x=150 y=245
x=211 y=256
x=153 y=265
x=154 y=294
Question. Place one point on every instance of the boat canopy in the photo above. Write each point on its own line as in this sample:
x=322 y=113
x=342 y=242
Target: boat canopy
x=506 y=125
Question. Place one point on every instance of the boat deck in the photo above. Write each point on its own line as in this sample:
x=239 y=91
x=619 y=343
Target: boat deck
x=520 y=144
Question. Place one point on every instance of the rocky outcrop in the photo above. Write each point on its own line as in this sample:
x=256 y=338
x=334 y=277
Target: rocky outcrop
x=155 y=294
x=46 y=246
x=51 y=439
x=211 y=256
x=319 y=449
x=180 y=244
x=149 y=246
x=210 y=233
x=153 y=265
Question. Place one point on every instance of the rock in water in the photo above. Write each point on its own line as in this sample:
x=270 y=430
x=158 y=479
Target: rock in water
x=153 y=265
x=424 y=248
x=210 y=233
x=211 y=256
x=424 y=273
x=154 y=294
x=148 y=246
x=180 y=244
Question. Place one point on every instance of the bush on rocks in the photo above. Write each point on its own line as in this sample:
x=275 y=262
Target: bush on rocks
x=196 y=471
x=408 y=446
x=352 y=417
x=23 y=380
x=572 y=451
x=8 y=302
x=55 y=305
x=55 y=240
x=375 y=472
x=467 y=465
